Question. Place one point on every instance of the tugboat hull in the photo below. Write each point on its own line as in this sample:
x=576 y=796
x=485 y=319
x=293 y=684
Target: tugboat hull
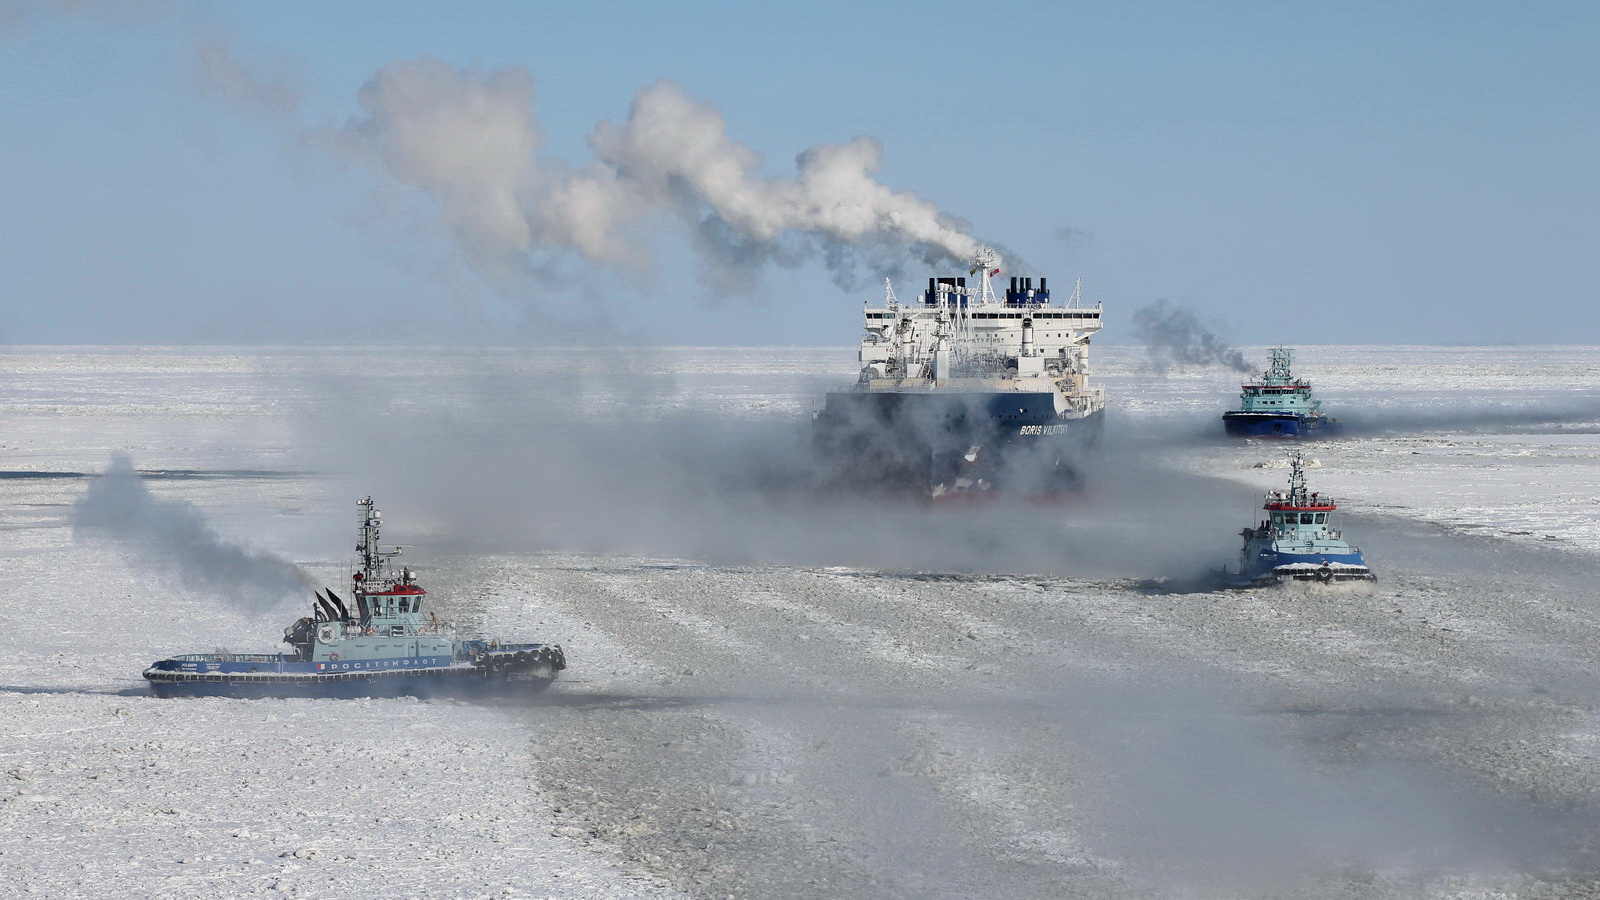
x=515 y=670
x=1320 y=571
x=1270 y=425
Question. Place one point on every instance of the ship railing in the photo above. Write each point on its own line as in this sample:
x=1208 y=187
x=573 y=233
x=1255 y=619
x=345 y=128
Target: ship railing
x=228 y=657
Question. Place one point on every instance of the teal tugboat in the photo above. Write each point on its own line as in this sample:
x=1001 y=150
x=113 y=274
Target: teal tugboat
x=1279 y=405
x=384 y=644
x=1296 y=542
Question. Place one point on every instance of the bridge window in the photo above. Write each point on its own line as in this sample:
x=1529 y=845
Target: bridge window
x=1322 y=518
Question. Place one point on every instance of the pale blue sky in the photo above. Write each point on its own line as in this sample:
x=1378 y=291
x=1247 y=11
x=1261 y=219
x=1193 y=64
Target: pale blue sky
x=1386 y=172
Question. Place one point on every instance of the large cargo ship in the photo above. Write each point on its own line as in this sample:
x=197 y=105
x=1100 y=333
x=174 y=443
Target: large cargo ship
x=966 y=391
x=385 y=643
x=1279 y=405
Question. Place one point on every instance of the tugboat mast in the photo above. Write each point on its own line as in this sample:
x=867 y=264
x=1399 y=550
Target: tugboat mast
x=1298 y=495
x=374 y=562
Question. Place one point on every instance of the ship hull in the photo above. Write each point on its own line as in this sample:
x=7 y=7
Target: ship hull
x=451 y=683
x=251 y=676
x=945 y=443
x=1278 y=425
x=1320 y=568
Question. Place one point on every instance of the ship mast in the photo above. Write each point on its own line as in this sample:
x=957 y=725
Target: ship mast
x=374 y=562
x=985 y=260
x=961 y=301
x=1297 y=481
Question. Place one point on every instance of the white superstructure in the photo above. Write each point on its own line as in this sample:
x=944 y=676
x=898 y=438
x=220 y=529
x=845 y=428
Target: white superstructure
x=969 y=339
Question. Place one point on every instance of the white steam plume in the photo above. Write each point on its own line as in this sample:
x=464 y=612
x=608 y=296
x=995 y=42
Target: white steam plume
x=468 y=141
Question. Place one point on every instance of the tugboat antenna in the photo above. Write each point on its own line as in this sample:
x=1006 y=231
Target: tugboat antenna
x=1297 y=478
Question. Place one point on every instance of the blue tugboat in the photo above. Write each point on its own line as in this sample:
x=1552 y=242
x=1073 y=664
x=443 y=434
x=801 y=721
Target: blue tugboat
x=384 y=644
x=1296 y=542
x=1279 y=405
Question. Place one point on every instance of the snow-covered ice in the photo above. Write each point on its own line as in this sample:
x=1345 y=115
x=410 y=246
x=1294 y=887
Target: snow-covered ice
x=881 y=733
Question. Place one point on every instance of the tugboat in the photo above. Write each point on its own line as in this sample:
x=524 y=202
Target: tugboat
x=964 y=392
x=384 y=644
x=1296 y=542
x=1279 y=405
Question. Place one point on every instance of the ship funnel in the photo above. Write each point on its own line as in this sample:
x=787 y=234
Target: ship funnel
x=344 y=613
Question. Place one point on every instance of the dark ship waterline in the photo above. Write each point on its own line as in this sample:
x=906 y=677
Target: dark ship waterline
x=384 y=644
x=965 y=392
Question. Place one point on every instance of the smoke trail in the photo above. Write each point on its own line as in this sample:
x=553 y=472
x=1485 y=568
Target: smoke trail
x=1576 y=416
x=17 y=17
x=221 y=71
x=1173 y=335
x=174 y=537
x=467 y=141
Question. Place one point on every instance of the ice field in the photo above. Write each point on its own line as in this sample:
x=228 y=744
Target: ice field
x=774 y=693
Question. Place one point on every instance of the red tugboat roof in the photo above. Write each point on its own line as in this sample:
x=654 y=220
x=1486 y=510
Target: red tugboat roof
x=1313 y=506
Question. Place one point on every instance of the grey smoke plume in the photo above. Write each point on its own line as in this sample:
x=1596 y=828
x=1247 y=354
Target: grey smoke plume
x=222 y=72
x=175 y=539
x=468 y=141
x=18 y=16
x=1174 y=336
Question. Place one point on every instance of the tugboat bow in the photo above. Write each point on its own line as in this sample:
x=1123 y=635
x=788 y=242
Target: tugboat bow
x=1296 y=541
x=1277 y=404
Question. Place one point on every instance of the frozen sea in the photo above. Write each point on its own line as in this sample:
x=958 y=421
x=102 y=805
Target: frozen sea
x=779 y=694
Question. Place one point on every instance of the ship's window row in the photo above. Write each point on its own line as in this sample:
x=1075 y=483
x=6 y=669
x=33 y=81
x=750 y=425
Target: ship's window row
x=1069 y=314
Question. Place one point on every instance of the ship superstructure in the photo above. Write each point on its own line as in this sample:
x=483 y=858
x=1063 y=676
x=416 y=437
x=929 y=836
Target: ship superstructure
x=964 y=389
x=1279 y=404
x=1297 y=541
x=385 y=642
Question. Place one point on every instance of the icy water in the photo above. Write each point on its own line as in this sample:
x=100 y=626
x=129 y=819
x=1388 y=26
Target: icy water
x=776 y=693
